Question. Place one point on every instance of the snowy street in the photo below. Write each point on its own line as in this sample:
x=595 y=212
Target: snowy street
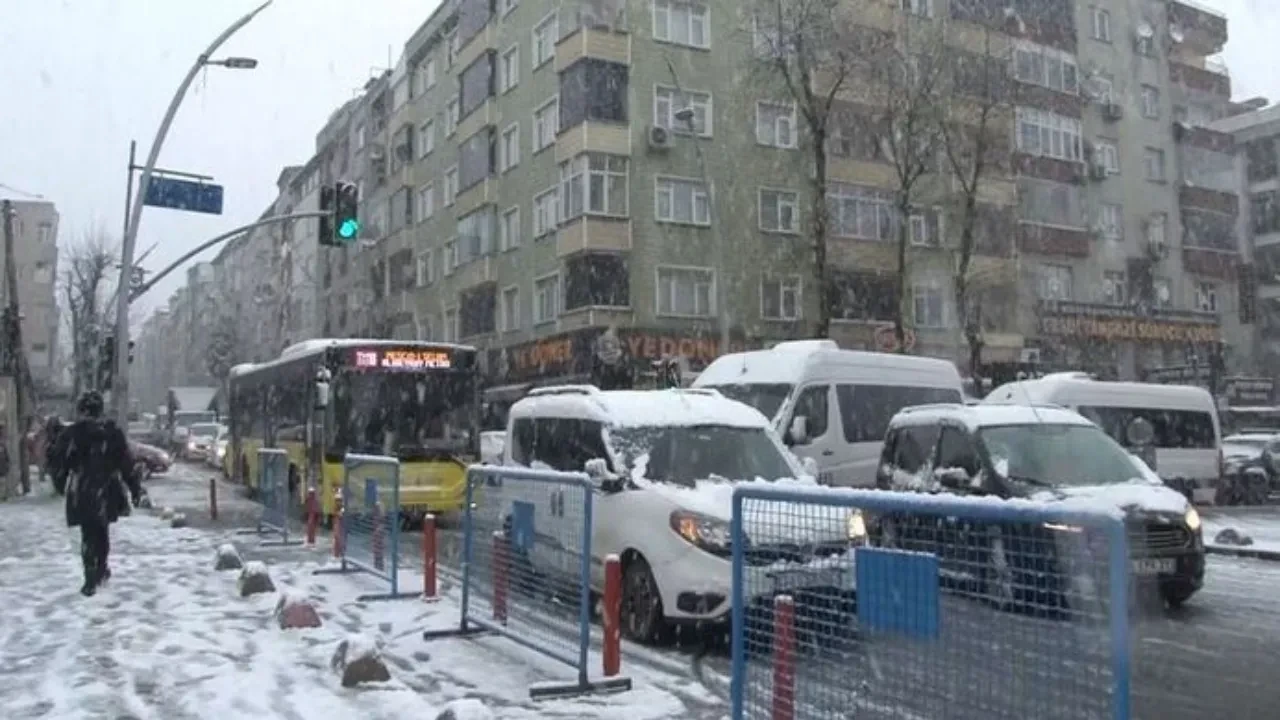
x=169 y=637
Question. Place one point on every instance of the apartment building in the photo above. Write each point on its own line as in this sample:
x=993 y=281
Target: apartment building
x=35 y=226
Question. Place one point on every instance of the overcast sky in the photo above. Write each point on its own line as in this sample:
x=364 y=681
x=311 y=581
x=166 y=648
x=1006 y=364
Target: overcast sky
x=84 y=77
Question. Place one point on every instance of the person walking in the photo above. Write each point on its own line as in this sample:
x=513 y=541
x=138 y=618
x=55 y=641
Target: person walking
x=94 y=455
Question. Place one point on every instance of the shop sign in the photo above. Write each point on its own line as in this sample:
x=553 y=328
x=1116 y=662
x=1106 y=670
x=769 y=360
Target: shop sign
x=1250 y=391
x=653 y=345
x=1105 y=328
x=886 y=340
x=573 y=353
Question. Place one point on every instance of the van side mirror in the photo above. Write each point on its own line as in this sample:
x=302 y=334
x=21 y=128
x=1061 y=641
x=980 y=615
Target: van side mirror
x=598 y=470
x=810 y=467
x=798 y=433
x=952 y=477
x=323 y=376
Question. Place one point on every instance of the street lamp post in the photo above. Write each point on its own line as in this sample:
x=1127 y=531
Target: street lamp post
x=120 y=384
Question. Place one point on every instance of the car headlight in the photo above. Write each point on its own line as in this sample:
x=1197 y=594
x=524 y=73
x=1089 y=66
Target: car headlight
x=856 y=527
x=1192 y=519
x=708 y=533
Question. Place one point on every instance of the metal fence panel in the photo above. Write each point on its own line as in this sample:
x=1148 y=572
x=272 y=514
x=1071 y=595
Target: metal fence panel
x=958 y=608
x=273 y=491
x=370 y=522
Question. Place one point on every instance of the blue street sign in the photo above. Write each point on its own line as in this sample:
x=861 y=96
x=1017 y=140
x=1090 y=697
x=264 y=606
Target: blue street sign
x=175 y=194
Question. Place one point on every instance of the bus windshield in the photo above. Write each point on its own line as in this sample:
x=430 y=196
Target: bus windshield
x=406 y=415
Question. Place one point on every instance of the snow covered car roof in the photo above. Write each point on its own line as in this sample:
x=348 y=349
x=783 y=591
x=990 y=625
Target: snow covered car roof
x=975 y=417
x=790 y=362
x=639 y=408
x=1084 y=390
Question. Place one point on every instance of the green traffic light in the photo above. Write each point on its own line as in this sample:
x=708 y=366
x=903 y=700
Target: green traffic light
x=348 y=229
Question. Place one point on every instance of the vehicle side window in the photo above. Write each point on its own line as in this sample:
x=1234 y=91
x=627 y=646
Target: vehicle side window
x=914 y=448
x=865 y=410
x=566 y=444
x=522 y=441
x=1174 y=429
x=956 y=451
x=812 y=404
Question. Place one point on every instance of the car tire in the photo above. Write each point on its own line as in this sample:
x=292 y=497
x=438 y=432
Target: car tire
x=1175 y=599
x=643 y=619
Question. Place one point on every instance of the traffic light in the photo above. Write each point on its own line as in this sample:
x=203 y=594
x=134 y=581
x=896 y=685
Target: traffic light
x=346 y=216
x=327 y=236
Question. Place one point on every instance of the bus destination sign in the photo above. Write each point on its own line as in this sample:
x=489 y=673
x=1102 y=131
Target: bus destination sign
x=403 y=359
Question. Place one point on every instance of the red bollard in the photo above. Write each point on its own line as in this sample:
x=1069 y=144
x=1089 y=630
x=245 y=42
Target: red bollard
x=313 y=516
x=501 y=567
x=611 y=611
x=337 y=527
x=429 y=558
x=784 y=658
x=379 y=539
x=213 y=499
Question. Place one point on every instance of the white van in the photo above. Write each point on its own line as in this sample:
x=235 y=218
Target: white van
x=1185 y=420
x=833 y=405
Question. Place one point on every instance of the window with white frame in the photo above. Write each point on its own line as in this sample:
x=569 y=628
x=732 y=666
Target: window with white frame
x=919 y=8
x=1106 y=153
x=1153 y=164
x=510 y=146
x=1206 y=297
x=510 y=302
x=426 y=201
x=509 y=69
x=449 y=329
x=1111 y=221
x=682 y=22
x=928 y=305
x=1157 y=229
x=1046 y=67
x=767 y=40
x=450 y=256
x=451 y=117
x=544 y=39
x=1150 y=98
x=422 y=270
x=593 y=184
x=546 y=298
x=1162 y=289
x=362 y=136
x=860 y=212
x=1103 y=89
x=509 y=229
x=546 y=208
x=776 y=124
x=919 y=227
x=428 y=74
x=1045 y=202
x=1049 y=134
x=1101 y=23
x=1114 y=287
x=427 y=138
x=680 y=200
x=450 y=186
x=1054 y=282
x=780 y=298
x=686 y=291
x=779 y=210
x=546 y=122
x=668 y=101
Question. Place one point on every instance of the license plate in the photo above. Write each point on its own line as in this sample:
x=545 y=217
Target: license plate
x=800 y=578
x=1154 y=566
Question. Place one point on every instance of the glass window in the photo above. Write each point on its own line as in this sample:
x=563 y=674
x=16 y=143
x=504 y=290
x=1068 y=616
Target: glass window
x=1174 y=429
x=812 y=405
x=669 y=101
x=865 y=410
x=776 y=124
x=682 y=22
x=682 y=201
x=686 y=292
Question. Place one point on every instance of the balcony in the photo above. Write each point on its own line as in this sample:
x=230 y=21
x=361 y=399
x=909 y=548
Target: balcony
x=1203 y=29
x=1202 y=198
x=1220 y=264
x=593 y=233
x=590 y=42
x=1212 y=78
x=1052 y=240
x=1204 y=138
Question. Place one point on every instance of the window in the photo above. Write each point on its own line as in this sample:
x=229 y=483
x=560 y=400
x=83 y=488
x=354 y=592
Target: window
x=592 y=89
x=918 y=225
x=1207 y=297
x=594 y=184
x=361 y=136
x=1153 y=164
x=596 y=279
x=1162 y=288
x=780 y=298
x=544 y=39
x=1101 y=23
x=860 y=212
x=779 y=210
x=686 y=291
x=511 y=147
x=1264 y=210
x=865 y=410
x=450 y=325
x=422 y=270
x=426 y=201
x=546 y=298
x=1044 y=202
x=1103 y=89
x=814 y=405
x=546 y=206
x=44 y=233
x=509 y=69
x=669 y=101
x=427 y=138
x=1186 y=429
x=767 y=40
x=1114 y=286
x=427 y=75
x=1054 y=282
x=509 y=306
x=920 y=8
x=450 y=185
x=681 y=22
x=477 y=158
x=476 y=84
x=1157 y=225
x=509 y=230
x=682 y=201
x=1107 y=154
x=927 y=306
x=546 y=121
x=776 y=124
x=451 y=117
x=1111 y=221
x=1261 y=163
x=1150 y=97
x=450 y=256
x=1046 y=67
x=1048 y=134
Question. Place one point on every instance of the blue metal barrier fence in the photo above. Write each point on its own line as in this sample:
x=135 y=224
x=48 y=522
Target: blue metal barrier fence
x=370 y=522
x=273 y=491
x=527 y=568
x=957 y=608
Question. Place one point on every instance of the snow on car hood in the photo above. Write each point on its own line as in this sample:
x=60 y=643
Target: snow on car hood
x=1145 y=493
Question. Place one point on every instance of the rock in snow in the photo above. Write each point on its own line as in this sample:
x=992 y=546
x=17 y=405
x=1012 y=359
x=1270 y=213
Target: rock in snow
x=465 y=709
x=358 y=660
x=1231 y=536
x=254 y=579
x=295 y=611
x=179 y=520
x=228 y=558
x=144 y=502
x=166 y=513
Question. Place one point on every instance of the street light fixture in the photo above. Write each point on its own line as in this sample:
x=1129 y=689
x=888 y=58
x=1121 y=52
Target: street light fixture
x=235 y=63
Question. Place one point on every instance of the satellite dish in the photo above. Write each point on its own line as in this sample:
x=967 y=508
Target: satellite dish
x=1145 y=31
x=1175 y=33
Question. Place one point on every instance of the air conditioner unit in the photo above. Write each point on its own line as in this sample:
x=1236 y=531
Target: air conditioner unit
x=1113 y=111
x=659 y=137
x=1030 y=355
x=1098 y=171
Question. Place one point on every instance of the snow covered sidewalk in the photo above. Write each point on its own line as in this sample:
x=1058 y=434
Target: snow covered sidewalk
x=1261 y=525
x=169 y=638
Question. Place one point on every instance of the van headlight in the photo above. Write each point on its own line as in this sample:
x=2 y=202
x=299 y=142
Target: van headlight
x=707 y=533
x=856 y=527
x=1192 y=519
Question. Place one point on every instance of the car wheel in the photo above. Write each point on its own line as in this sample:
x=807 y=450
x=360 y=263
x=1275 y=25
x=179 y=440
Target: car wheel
x=1176 y=598
x=642 y=619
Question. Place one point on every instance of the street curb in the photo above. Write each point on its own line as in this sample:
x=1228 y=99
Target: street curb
x=1243 y=552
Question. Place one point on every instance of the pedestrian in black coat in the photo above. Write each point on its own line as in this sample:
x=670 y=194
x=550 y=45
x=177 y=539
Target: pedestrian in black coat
x=94 y=455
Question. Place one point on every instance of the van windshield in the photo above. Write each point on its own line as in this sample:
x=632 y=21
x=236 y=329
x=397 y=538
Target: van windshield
x=765 y=397
x=1057 y=455
x=685 y=455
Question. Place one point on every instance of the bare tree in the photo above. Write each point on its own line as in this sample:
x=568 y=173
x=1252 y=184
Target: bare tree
x=88 y=285
x=812 y=48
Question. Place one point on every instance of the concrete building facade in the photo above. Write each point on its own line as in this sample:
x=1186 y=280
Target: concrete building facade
x=35 y=227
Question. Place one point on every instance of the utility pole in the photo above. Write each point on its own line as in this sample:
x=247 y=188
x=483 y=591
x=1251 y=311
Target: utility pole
x=17 y=356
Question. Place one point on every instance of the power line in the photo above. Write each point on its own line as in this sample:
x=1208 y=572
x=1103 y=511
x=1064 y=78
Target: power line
x=11 y=188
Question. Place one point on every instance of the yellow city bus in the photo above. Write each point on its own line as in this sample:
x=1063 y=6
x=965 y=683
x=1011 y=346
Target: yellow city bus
x=416 y=401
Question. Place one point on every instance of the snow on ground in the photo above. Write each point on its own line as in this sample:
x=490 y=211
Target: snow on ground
x=1260 y=523
x=169 y=638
